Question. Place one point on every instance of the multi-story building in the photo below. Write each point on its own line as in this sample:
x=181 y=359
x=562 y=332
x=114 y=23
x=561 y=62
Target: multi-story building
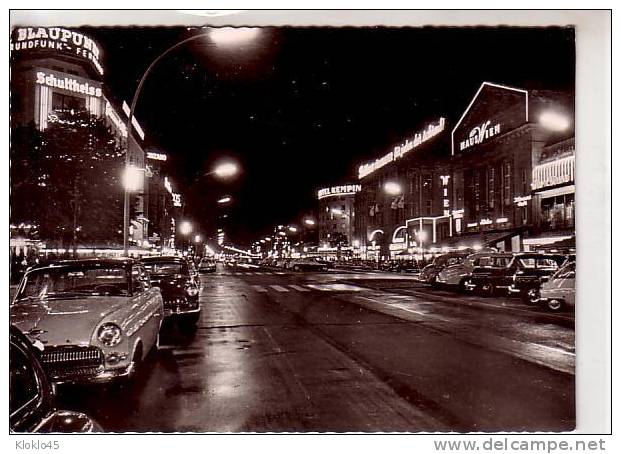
x=512 y=169
x=336 y=216
x=401 y=209
x=56 y=72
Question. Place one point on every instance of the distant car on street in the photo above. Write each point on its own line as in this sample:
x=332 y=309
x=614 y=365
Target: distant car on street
x=430 y=272
x=491 y=273
x=458 y=275
x=32 y=406
x=178 y=285
x=532 y=269
x=207 y=266
x=559 y=292
x=307 y=264
x=97 y=318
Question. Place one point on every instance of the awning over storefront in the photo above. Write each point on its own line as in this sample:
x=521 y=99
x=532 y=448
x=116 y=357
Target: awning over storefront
x=551 y=241
x=479 y=239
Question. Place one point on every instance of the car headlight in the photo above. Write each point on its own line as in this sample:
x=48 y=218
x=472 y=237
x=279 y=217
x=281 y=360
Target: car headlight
x=191 y=291
x=110 y=334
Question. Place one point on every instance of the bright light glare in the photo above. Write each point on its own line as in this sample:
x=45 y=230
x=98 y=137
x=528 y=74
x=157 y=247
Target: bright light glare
x=422 y=235
x=197 y=239
x=185 y=228
x=229 y=36
x=224 y=200
x=309 y=222
x=227 y=169
x=392 y=188
x=336 y=211
x=554 y=121
x=132 y=178
x=292 y=229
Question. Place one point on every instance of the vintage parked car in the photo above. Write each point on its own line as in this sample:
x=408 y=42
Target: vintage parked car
x=559 y=292
x=405 y=266
x=457 y=276
x=531 y=270
x=96 y=318
x=178 y=285
x=207 y=266
x=307 y=264
x=32 y=396
x=430 y=272
x=491 y=272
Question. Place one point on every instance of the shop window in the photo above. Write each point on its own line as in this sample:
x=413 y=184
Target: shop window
x=427 y=182
x=61 y=102
x=490 y=187
x=507 y=183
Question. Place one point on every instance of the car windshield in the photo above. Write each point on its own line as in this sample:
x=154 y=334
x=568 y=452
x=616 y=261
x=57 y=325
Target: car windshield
x=66 y=282
x=166 y=268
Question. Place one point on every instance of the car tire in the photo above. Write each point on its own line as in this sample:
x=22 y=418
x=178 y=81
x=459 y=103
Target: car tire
x=530 y=296
x=296 y=268
x=462 y=285
x=555 y=304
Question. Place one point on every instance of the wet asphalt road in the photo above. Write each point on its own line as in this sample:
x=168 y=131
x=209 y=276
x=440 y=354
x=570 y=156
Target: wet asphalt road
x=278 y=351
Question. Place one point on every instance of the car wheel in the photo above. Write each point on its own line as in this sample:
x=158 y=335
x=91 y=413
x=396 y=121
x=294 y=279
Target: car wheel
x=296 y=268
x=555 y=304
x=530 y=296
x=463 y=285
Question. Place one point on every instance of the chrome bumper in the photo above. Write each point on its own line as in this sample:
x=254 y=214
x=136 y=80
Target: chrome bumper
x=101 y=377
x=181 y=311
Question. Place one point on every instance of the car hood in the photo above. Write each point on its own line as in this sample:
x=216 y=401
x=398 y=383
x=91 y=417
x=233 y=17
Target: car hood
x=63 y=321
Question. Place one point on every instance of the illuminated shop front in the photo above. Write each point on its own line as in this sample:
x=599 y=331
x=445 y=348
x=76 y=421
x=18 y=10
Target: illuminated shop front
x=405 y=192
x=502 y=160
x=336 y=217
x=56 y=74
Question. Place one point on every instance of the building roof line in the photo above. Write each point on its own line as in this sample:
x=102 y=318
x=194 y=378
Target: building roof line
x=489 y=84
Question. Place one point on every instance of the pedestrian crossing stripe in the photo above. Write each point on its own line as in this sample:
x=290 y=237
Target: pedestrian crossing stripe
x=278 y=288
x=258 y=288
x=299 y=289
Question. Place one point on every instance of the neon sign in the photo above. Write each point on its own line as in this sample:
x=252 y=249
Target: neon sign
x=401 y=150
x=156 y=156
x=480 y=133
x=445 y=202
x=339 y=190
x=522 y=201
x=71 y=84
x=57 y=39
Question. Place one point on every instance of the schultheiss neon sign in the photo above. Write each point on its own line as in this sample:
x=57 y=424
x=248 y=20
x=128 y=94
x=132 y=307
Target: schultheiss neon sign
x=401 y=150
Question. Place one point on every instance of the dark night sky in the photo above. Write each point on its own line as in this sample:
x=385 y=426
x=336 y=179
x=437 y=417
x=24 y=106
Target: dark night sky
x=300 y=108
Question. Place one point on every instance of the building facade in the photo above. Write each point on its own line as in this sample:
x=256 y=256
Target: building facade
x=56 y=73
x=508 y=166
x=402 y=206
x=336 y=216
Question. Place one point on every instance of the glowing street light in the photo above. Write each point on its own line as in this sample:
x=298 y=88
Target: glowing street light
x=132 y=178
x=554 y=121
x=392 y=188
x=230 y=36
x=292 y=229
x=225 y=170
x=224 y=199
x=197 y=239
x=185 y=228
x=337 y=211
x=309 y=222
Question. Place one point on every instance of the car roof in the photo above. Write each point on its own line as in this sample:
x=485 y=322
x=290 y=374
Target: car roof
x=124 y=262
x=163 y=259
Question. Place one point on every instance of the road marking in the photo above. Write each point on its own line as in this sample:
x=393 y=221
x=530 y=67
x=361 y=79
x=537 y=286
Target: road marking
x=280 y=272
x=278 y=288
x=298 y=288
x=258 y=288
x=336 y=287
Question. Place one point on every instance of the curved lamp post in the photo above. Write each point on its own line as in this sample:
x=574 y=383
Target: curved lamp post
x=226 y=168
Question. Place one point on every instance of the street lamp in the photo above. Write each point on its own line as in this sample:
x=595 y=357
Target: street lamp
x=309 y=222
x=223 y=38
x=554 y=121
x=422 y=236
x=185 y=228
x=292 y=229
x=197 y=239
x=224 y=199
x=392 y=188
x=225 y=170
x=230 y=36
